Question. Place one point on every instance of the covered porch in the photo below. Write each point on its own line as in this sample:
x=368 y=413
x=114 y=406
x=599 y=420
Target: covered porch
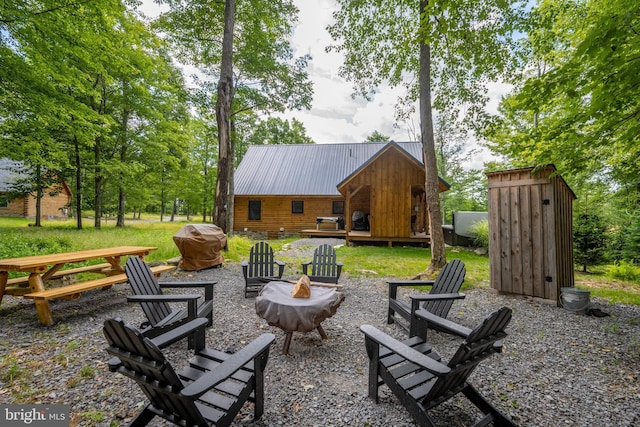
x=420 y=238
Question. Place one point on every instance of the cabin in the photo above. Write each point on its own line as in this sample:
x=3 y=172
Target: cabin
x=24 y=205
x=372 y=192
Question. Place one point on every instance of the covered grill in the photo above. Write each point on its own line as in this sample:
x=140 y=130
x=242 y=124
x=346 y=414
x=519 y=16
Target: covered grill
x=200 y=246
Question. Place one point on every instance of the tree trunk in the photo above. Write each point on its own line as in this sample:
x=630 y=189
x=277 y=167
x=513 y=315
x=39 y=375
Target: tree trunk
x=438 y=255
x=124 y=125
x=76 y=145
x=223 y=118
x=38 y=195
x=174 y=208
x=98 y=181
x=230 y=203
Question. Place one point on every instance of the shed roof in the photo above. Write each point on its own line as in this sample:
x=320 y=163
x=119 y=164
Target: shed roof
x=306 y=169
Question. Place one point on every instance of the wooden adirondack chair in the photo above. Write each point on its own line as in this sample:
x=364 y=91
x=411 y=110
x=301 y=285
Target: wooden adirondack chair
x=260 y=269
x=414 y=373
x=444 y=290
x=155 y=304
x=324 y=267
x=210 y=391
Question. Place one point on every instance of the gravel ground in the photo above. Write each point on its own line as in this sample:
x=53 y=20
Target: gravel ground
x=558 y=368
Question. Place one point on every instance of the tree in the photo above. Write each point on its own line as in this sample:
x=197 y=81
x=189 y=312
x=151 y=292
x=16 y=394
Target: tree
x=581 y=110
x=274 y=131
x=86 y=86
x=589 y=240
x=471 y=45
x=265 y=76
x=377 y=137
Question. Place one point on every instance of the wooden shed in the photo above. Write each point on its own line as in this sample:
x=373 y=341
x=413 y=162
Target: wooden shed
x=530 y=232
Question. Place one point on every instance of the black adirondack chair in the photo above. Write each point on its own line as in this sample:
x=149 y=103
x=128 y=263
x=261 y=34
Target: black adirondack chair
x=210 y=391
x=444 y=290
x=324 y=267
x=261 y=268
x=414 y=373
x=161 y=317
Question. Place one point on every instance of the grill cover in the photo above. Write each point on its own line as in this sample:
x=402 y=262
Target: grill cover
x=200 y=246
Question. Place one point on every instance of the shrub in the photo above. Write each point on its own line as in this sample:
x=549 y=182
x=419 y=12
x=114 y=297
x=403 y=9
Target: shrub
x=480 y=232
x=624 y=271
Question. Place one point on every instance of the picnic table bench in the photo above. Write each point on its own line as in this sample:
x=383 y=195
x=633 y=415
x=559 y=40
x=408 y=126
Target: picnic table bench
x=74 y=290
x=42 y=268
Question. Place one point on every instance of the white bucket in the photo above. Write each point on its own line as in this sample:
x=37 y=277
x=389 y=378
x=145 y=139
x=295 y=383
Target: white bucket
x=576 y=300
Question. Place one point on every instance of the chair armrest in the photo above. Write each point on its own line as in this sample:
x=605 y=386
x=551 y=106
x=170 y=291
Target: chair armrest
x=227 y=368
x=183 y=331
x=394 y=284
x=404 y=350
x=440 y=324
x=163 y=298
x=437 y=297
x=186 y=284
x=411 y=282
x=417 y=299
x=208 y=287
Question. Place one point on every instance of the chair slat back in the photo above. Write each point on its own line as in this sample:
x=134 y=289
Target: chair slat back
x=142 y=361
x=479 y=345
x=449 y=281
x=261 y=261
x=143 y=282
x=324 y=261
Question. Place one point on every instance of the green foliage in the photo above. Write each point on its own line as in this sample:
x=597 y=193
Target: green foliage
x=274 y=130
x=377 y=137
x=16 y=244
x=589 y=239
x=579 y=109
x=480 y=232
x=631 y=244
x=624 y=271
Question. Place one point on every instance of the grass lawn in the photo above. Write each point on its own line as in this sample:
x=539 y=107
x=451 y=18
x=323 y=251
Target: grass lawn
x=18 y=239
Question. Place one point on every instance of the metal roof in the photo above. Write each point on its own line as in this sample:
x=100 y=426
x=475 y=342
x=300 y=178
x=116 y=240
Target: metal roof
x=306 y=169
x=11 y=171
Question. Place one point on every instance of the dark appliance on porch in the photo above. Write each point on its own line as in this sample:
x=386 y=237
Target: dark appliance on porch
x=360 y=221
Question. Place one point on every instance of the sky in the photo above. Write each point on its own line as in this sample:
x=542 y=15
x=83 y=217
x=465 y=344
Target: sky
x=336 y=116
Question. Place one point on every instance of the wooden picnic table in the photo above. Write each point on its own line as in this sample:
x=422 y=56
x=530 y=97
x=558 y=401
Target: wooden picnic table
x=42 y=268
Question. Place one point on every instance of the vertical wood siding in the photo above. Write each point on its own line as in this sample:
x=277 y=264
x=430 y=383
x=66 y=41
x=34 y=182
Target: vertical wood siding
x=530 y=233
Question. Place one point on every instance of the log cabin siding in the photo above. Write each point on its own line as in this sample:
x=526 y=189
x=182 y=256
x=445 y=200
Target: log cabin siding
x=276 y=213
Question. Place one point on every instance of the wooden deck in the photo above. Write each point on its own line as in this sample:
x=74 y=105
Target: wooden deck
x=365 y=236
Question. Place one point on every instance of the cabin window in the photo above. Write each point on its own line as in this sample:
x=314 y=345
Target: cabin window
x=297 y=206
x=338 y=208
x=4 y=202
x=255 y=210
